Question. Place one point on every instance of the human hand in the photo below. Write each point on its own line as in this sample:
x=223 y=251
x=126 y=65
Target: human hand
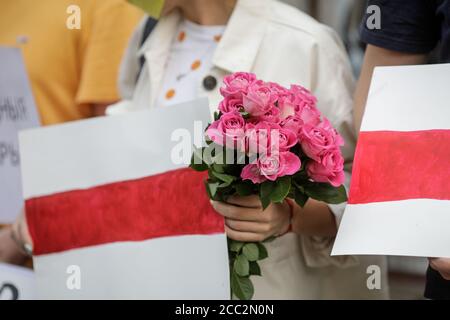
x=9 y=250
x=442 y=265
x=21 y=235
x=245 y=219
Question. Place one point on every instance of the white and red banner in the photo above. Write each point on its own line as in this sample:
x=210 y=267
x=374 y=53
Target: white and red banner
x=112 y=215
x=399 y=202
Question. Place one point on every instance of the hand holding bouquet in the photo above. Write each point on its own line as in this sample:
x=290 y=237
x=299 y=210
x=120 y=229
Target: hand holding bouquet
x=273 y=142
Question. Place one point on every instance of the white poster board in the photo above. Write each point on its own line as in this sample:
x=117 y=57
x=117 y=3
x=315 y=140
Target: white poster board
x=399 y=202
x=16 y=283
x=101 y=243
x=17 y=111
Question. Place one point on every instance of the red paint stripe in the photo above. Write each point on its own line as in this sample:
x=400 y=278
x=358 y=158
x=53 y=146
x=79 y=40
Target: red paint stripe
x=391 y=165
x=169 y=204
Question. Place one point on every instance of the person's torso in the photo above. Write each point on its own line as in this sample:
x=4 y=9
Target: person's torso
x=189 y=62
x=280 y=53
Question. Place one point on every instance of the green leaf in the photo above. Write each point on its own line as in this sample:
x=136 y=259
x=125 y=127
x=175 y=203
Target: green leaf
x=251 y=251
x=244 y=189
x=197 y=162
x=235 y=246
x=241 y=287
x=244 y=114
x=300 y=198
x=281 y=189
x=218 y=168
x=326 y=192
x=224 y=177
x=241 y=266
x=211 y=189
x=265 y=191
x=262 y=251
x=255 y=270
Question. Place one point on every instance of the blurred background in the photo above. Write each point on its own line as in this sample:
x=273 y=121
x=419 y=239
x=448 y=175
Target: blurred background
x=406 y=274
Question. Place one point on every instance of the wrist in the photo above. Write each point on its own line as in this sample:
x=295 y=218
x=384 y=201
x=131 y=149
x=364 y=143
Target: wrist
x=10 y=252
x=289 y=204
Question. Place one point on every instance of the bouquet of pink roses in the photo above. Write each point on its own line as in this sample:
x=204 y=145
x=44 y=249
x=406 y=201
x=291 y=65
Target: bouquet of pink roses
x=270 y=141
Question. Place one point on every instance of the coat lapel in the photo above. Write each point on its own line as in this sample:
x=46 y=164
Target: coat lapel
x=243 y=36
x=156 y=51
x=236 y=51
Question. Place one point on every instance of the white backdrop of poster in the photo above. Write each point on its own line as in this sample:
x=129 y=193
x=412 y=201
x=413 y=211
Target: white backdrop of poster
x=90 y=154
x=16 y=283
x=17 y=112
x=411 y=104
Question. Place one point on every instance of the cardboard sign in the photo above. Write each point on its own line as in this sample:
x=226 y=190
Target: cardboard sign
x=17 y=111
x=114 y=211
x=399 y=201
x=16 y=283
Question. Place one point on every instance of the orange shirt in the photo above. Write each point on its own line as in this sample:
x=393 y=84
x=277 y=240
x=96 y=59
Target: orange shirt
x=69 y=69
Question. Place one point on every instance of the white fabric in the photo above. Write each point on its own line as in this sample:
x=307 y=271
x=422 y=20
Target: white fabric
x=281 y=44
x=192 y=43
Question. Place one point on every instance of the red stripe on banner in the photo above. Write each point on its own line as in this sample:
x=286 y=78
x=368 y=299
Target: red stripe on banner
x=174 y=203
x=391 y=165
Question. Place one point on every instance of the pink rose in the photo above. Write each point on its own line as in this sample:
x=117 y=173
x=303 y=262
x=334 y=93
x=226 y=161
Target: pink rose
x=287 y=107
x=231 y=104
x=277 y=89
x=259 y=99
x=237 y=83
x=317 y=140
x=303 y=96
x=286 y=139
x=330 y=169
x=300 y=102
x=257 y=137
x=268 y=138
x=272 y=116
x=309 y=114
x=271 y=167
x=293 y=123
x=229 y=130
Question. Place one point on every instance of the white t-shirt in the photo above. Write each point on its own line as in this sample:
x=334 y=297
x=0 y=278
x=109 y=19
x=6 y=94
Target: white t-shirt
x=189 y=62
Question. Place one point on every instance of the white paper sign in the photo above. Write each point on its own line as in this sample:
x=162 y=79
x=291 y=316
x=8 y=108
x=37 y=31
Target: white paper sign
x=111 y=163
x=16 y=283
x=399 y=201
x=17 y=111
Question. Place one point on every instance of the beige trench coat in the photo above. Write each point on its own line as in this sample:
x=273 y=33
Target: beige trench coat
x=281 y=44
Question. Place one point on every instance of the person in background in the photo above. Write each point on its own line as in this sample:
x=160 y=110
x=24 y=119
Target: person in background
x=411 y=30
x=73 y=72
x=192 y=48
